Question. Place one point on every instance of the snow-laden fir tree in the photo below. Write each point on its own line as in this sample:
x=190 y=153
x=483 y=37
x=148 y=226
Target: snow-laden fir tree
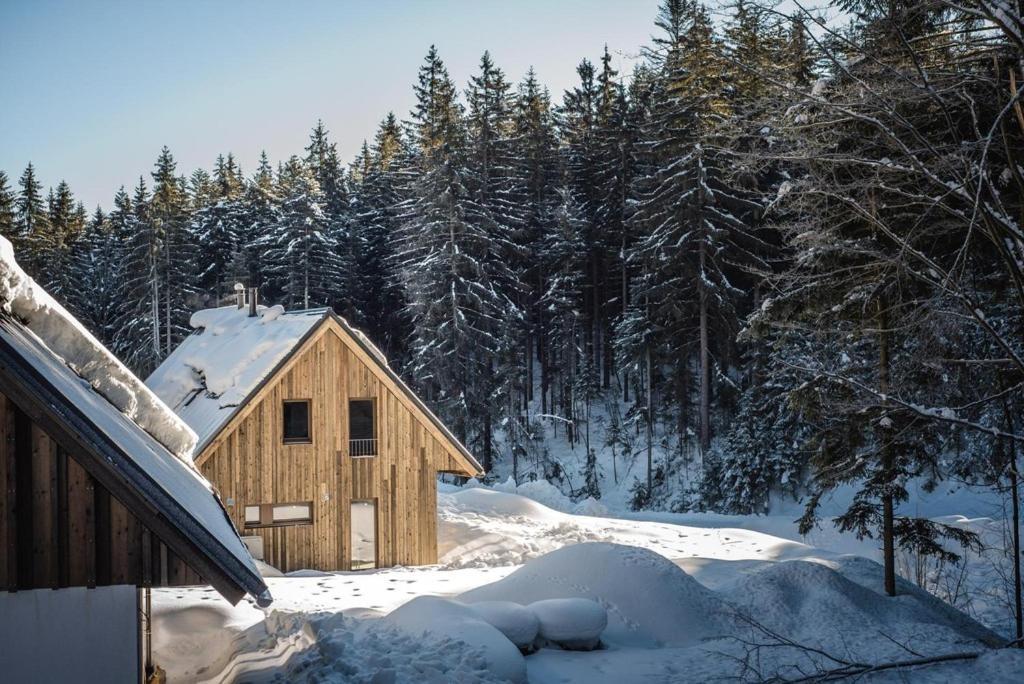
x=300 y=254
x=446 y=248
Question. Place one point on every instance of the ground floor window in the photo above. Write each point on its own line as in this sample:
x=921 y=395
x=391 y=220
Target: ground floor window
x=363 y=521
x=270 y=515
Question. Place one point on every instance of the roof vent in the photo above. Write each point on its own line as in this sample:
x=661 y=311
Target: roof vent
x=240 y=295
x=253 y=296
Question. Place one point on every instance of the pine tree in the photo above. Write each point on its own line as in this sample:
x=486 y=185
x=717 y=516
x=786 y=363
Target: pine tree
x=8 y=213
x=325 y=165
x=375 y=209
x=693 y=220
x=446 y=246
x=216 y=225
x=300 y=257
x=32 y=221
x=98 y=269
x=257 y=220
x=176 y=268
x=137 y=338
x=535 y=159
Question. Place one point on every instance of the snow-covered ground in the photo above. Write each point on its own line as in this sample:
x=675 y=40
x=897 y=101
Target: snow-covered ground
x=686 y=598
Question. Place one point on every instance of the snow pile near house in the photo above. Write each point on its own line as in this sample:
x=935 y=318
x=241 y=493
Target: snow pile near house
x=23 y=298
x=519 y=624
x=215 y=368
x=430 y=616
x=571 y=623
x=649 y=600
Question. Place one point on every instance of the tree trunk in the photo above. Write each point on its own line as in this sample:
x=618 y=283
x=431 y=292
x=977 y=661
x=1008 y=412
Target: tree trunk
x=888 y=541
x=705 y=361
x=1014 y=476
x=650 y=419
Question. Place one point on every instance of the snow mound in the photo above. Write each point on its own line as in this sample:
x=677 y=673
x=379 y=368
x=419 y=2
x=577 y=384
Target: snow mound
x=816 y=604
x=572 y=623
x=518 y=623
x=590 y=506
x=649 y=600
x=431 y=616
x=541 y=491
x=489 y=502
x=23 y=298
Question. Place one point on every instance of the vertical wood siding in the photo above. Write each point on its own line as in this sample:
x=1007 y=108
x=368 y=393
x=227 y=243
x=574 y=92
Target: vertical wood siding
x=59 y=528
x=250 y=464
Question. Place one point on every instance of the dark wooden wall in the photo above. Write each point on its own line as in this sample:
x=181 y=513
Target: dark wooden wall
x=250 y=464
x=59 y=528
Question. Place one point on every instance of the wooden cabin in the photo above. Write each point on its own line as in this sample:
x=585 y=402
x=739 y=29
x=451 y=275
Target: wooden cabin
x=325 y=458
x=94 y=506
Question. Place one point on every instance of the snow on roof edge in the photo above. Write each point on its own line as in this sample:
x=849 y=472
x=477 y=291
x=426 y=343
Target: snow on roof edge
x=65 y=336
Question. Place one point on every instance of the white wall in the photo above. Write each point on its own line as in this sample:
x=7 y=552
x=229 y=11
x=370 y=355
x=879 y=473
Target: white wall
x=70 y=635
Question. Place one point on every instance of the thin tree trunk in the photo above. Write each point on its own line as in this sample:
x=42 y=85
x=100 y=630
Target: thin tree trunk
x=650 y=420
x=1014 y=476
x=705 y=360
x=888 y=541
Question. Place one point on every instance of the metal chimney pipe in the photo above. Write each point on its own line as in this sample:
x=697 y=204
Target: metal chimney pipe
x=252 y=301
x=240 y=295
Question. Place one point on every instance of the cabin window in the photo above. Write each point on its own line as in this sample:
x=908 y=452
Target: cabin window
x=362 y=429
x=275 y=515
x=252 y=515
x=363 y=521
x=296 y=422
x=292 y=513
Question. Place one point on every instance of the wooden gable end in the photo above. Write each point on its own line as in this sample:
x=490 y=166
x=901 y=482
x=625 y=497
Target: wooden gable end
x=251 y=464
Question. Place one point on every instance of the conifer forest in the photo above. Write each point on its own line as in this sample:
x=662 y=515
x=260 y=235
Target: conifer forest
x=782 y=255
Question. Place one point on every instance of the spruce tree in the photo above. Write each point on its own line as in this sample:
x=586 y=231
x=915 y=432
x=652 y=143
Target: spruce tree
x=8 y=213
x=446 y=246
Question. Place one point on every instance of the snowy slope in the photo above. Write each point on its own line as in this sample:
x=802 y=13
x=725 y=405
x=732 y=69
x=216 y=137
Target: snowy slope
x=230 y=353
x=676 y=598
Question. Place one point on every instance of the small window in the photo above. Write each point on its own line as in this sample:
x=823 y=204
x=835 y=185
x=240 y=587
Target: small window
x=362 y=431
x=293 y=513
x=296 y=421
x=252 y=515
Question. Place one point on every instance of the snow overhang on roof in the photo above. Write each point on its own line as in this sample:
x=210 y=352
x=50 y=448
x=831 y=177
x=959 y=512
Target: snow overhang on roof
x=126 y=437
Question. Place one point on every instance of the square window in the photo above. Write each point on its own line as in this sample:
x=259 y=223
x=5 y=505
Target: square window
x=296 y=421
x=252 y=515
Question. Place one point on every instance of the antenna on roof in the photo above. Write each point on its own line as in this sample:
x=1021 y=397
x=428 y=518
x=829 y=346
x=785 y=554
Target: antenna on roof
x=240 y=295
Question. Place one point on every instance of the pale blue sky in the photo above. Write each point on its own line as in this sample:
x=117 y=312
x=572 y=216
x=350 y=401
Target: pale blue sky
x=90 y=90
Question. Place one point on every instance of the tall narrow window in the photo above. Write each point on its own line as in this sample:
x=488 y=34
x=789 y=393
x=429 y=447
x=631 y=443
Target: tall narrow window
x=296 y=421
x=364 y=535
x=362 y=431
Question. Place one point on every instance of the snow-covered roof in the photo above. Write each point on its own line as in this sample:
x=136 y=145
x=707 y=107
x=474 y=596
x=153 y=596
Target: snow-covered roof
x=67 y=338
x=217 y=368
x=119 y=423
x=230 y=354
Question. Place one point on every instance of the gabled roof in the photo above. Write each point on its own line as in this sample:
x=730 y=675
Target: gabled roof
x=98 y=425
x=216 y=370
x=218 y=367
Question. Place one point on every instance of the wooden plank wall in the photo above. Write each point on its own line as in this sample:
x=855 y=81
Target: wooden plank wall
x=250 y=464
x=59 y=528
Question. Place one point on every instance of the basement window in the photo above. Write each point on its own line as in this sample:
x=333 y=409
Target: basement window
x=296 y=422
